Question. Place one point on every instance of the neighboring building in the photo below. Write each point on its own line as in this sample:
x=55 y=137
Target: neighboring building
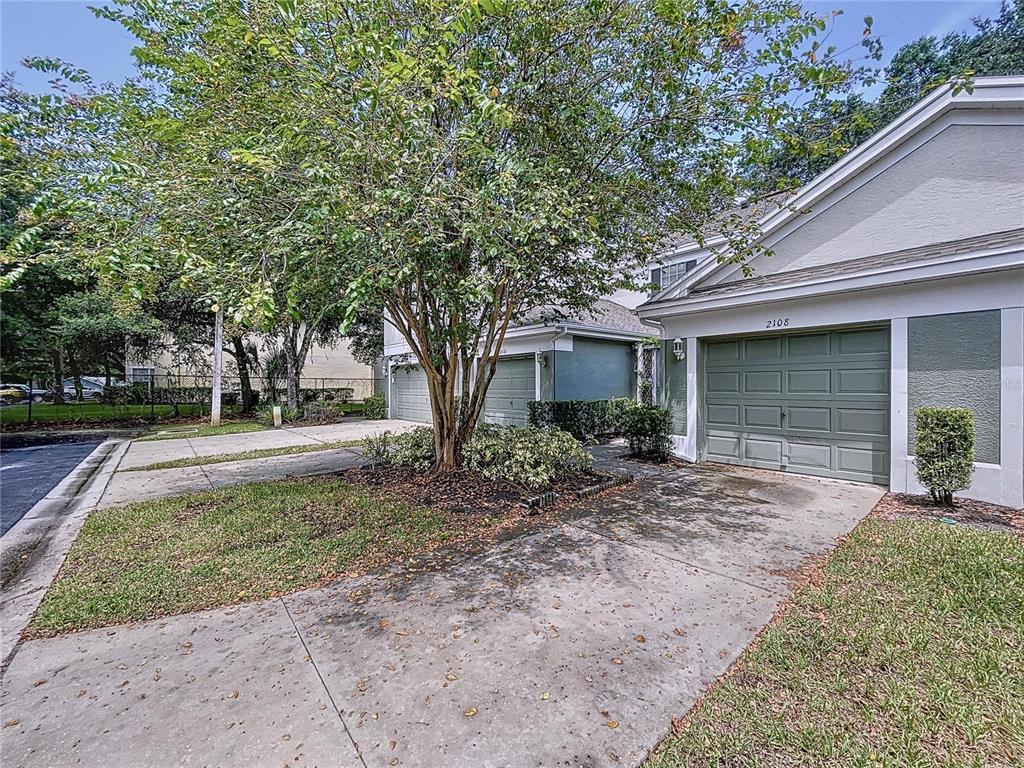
x=895 y=280
x=326 y=367
x=547 y=357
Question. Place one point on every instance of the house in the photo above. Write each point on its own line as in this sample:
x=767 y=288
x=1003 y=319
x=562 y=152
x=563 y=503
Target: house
x=325 y=368
x=894 y=280
x=551 y=355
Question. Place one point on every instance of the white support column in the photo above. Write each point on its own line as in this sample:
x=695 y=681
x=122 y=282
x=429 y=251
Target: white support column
x=538 y=371
x=899 y=435
x=692 y=400
x=387 y=387
x=1011 y=406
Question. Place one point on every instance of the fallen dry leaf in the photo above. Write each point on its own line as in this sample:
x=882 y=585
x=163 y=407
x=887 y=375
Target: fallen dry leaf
x=470 y=712
x=613 y=723
x=233 y=695
x=640 y=639
x=545 y=696
x=616 y=660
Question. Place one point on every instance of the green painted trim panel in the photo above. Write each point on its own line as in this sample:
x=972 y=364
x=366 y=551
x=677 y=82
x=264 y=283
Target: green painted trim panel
x=594 y=370
x=673 y=387
x=954 y=360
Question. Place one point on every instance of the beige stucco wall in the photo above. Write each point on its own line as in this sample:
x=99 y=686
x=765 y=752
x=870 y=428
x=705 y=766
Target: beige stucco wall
x=967 y=180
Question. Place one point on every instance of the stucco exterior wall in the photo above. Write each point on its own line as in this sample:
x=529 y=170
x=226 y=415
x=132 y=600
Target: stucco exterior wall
x=594 y=370
x=954 y=360
x=967 y=180
x=673 y=387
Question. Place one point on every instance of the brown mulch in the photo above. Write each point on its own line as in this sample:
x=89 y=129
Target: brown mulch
x=976 y=514
x=460 y=491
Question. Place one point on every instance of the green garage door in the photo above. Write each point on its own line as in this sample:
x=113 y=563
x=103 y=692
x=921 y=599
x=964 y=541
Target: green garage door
x=409 y=397
x=513 y=386
x=814 y=403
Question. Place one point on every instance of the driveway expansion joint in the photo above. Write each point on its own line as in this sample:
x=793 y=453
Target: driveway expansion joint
x=320 y=677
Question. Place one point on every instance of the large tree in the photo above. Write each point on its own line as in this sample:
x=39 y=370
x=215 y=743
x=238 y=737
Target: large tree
x=823 y=131
x=454 y=165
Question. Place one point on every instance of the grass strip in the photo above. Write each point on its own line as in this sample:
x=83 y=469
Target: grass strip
x=243 y=543
x=182 y=431
x=256 y=453
x=906 y=650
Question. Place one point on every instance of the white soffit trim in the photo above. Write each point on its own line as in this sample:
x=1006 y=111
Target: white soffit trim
x=946 y=266
x=989 y=92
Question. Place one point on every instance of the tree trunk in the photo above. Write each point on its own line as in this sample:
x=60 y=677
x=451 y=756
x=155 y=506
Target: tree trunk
x=242 y=363
x=57 y=359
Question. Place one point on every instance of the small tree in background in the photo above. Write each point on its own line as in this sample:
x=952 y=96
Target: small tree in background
x=945 y=451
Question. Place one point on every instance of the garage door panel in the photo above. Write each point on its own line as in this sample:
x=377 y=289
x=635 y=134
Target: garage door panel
x=816 y=403
x=762 y=382
x=723 y=447
x=723 y=351
x=767 y=349
x=815 y=382
x=764 y=449
x=814 y=345
x=862 y=421
x=511 y=389
x=723 y=382
x=868 y=381
x=759 y=416
x=806 y=418
x=724 y=415
x=860 y=342
x=865 y=460
x=810 y=456
x=409 y=394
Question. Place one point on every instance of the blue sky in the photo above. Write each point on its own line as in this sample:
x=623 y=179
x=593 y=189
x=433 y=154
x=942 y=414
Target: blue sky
x=68 y=30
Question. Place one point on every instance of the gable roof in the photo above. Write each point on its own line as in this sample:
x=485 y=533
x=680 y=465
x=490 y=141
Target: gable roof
x=986 y=242
x=604 y=314
x=988 y=92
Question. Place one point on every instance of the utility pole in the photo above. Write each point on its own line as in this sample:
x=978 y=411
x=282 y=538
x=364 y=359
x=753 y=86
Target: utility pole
x=218 y=359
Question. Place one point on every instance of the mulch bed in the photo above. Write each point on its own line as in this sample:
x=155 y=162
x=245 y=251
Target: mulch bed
x=460 y=491
x=976 y=514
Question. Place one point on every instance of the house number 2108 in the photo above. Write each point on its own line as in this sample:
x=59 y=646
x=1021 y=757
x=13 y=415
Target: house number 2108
x=777 y=322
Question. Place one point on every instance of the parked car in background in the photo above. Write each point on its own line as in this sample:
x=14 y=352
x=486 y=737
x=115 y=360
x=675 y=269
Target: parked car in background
x=92 y=387
x=20 y=393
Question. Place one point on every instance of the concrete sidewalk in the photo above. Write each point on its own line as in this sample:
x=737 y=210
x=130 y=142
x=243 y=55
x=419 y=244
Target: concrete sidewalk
x=128 y=486
x=571 y=643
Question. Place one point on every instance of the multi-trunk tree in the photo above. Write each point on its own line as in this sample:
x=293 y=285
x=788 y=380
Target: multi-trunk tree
x=453 y=165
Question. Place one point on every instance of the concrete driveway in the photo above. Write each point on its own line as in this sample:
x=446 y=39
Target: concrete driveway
x=570 y=644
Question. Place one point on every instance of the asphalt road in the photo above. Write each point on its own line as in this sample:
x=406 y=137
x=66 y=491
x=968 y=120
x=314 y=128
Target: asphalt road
x=31 y=466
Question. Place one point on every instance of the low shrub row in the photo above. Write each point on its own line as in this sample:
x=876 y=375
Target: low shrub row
x=645 y=426
x=527 y=456
x=583 y=419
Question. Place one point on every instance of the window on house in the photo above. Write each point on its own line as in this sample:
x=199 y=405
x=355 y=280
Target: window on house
x=142 y=375
x=667 y=274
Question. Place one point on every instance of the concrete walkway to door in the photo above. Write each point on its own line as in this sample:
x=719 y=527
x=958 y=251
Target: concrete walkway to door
x=570 y=643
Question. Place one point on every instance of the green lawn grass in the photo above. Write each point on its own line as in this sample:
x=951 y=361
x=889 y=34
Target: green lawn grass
x=203 y=429
x=907 y=651
x=92 y=413
x=257 y=453
x=244 y=543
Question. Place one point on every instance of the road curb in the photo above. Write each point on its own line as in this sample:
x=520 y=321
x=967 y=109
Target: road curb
x=33 y=550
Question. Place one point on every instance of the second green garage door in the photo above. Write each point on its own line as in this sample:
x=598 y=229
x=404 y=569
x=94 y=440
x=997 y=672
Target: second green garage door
x=814 y=403
x=513 y=386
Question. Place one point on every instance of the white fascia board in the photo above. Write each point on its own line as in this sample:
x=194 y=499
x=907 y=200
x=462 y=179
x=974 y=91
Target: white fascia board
x=961 y=265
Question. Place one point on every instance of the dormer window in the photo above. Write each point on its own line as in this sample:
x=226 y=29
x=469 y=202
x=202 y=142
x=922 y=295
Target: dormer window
x=665 y=275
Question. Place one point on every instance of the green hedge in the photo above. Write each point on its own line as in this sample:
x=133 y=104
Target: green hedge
x=375 y=407
x=944 y=451
x=583 y=419
x=647 y=428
